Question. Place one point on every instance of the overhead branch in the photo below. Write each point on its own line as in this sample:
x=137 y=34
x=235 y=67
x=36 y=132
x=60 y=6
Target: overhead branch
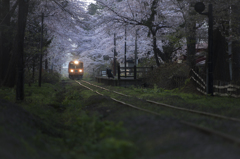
x=124 y=18
x=62 y=7
x=130 y=8
x=11 y=11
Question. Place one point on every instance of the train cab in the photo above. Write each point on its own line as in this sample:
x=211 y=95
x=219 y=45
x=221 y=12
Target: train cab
x=75 y=69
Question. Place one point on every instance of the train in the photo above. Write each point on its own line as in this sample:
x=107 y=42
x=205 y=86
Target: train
x=75 y=70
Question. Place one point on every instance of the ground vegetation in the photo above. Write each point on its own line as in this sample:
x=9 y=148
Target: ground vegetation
x=65 y=120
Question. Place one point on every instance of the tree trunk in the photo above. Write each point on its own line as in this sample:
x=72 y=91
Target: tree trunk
x=155 y=49
x=17 y=52
x=4 y=37
x=10 y=77
x=22 y=20
x=191 y=43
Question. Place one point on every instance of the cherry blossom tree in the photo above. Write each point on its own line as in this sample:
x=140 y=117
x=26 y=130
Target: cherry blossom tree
x=63 y=22
x=152 y=18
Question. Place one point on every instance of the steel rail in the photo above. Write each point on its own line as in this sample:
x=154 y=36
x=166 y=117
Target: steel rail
x=195 y=111
x=178 y=108
x=233 y=139
x=84 y=86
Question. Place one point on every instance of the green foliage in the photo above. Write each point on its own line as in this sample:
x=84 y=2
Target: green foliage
x=147 y=62
x=30 y=150
x=227 y=106
x=92 y=9
x=71 y=131
x=118 y=149
x=28 y=76
x=155 y=89
x=71 y=97
x=99 y=139
x=138 y=89
x=163 y=76
x=175 y=39
x=35 y=95
x=187 y=81
x=91 y=129
x=47 y=77
x=87 y=76
x=8 y=93
x=51 y=77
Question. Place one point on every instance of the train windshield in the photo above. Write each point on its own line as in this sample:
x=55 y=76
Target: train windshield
x=75 y=66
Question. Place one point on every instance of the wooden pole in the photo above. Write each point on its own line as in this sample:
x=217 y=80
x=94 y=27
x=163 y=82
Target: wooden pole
x=41 y=46
x=125 y=64
x=135 y=72
x=210 y=52
x=114 y=57
x=119 y=72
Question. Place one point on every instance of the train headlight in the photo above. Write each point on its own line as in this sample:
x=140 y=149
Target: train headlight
x=80 y=70
x=71 y=70
x=76 y=62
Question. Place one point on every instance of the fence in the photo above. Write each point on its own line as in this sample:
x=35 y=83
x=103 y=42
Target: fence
x=100 y=72
x=177 y=81
x=226 y=89
x=199 y=81
x=220 y=88
x=132 y=72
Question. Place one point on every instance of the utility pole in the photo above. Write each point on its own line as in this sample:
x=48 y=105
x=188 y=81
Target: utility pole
x=33 y=71
x=230 y=41
x=136 y=58
x=210 y=51
x=41 y=46
x=114 y=57
x=125 y=50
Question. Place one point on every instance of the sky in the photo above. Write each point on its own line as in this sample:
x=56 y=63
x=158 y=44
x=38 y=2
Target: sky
x=89 y=1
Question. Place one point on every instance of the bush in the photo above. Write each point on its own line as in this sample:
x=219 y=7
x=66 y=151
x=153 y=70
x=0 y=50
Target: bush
x=47 y=77
x=147 y=62
x=28 y=76
x=118 y=149
x=163 y=76
x=50 y=77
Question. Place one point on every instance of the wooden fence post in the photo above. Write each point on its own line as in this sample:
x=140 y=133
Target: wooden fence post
x=135 y=72
x=119 y=72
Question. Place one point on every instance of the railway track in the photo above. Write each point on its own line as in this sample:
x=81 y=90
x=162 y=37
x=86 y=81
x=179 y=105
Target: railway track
x=174 y=107
x=226 y=136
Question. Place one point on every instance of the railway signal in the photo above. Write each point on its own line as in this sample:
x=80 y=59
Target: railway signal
x=200 y=7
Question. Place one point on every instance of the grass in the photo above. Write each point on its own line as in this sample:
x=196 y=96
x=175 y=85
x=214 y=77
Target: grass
x=228 y=106
x=70 y=130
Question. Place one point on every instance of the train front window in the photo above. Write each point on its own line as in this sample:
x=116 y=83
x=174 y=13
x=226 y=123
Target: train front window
x=75 y=66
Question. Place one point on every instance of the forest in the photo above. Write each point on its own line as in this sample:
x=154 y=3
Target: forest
x=44 y=34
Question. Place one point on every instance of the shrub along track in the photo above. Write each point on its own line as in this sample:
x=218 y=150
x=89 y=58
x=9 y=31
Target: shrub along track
x=196 y=126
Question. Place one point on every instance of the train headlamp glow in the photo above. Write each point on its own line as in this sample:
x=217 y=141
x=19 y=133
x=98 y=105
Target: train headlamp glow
x=71 y=70
x=76 y=62
x=80 y=70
